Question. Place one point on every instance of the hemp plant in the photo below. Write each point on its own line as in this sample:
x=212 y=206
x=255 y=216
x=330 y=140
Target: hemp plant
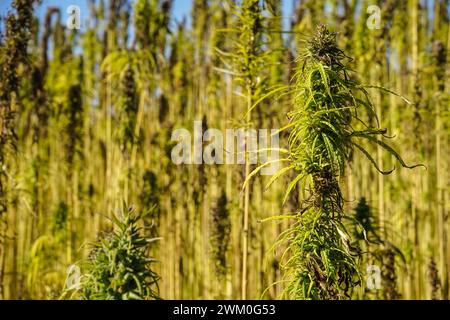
x=371 y=234
x=13 y=55
x=118 y=267
x=247 y=62
x=319 y=260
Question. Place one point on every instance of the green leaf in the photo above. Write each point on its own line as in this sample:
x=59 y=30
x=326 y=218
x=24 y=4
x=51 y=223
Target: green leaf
x=387 y=90
x=324 y=76
x=257 y=169
x=265 y=96
x=291 y=186
x=277 y=175
x=371 y=159
x=389 y=149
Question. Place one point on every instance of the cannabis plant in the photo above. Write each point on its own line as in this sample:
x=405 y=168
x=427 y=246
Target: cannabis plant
x=128 y=112
x=327 y=126
x=434 y=280
x=248 y=62
x=371 y=234
x=221 y=226
x=118 y=266
x=389 y=274
x=13 y=54
x=365 y=224
x=86 y=118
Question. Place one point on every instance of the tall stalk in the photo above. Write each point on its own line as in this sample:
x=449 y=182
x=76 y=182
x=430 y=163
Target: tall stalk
x=247 y=61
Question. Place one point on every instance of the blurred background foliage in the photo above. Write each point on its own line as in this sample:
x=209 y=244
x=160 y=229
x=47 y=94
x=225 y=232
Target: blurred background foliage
x=86 y=118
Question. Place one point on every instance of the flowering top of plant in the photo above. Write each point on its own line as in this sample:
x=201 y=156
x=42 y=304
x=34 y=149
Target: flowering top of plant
x=118 y=268
x=323 y=47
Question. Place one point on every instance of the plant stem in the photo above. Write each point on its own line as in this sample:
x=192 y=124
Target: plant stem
x=246 y=205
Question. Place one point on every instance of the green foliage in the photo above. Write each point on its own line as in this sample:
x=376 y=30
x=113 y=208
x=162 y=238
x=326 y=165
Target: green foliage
x=247 y=58
x=86 y=118
x=42 y=275
x=118 y=267
x=13 y=53
x=365 y=224
x=320 y=260
x=44 y=258
x=371 y=234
